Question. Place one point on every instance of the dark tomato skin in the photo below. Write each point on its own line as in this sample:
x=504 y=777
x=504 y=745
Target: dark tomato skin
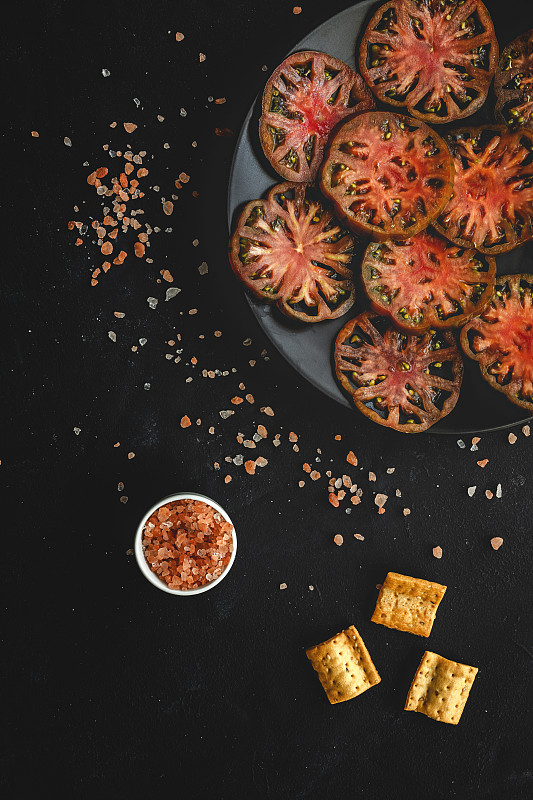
x=402 y=381
x=304 y=99
x=513 y=83
x=435 y=58
x=427 y=281
x=289 y=249
x=388 y=175
x=492 y=204
x=501 y=339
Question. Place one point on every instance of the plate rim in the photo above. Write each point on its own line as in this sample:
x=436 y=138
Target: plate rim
x=229 y=214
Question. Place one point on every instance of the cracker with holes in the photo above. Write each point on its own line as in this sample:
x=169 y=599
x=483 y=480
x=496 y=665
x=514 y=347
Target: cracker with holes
x=440 y=688
x=344 y=666
x=408 y=604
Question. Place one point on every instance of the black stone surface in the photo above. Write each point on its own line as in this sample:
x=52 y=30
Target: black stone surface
x=111 y=688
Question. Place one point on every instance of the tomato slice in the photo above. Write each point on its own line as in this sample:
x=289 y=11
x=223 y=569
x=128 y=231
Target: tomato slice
x=435 y=57
x=402 y=381
x=513 y=83
x=290 y=250
x=388 y=175
x=501 y=339
x=492 y=204
x=427 y=282
x=305 y=97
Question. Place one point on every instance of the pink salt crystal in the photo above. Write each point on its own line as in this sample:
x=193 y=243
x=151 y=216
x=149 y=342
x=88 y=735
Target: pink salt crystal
x=371 y=476
x=283 y=586
x=358 y=536
x=512 y=438
x=338 y=539
x=437 y=552
x=380 y=500
x=496 y=542
x=315 y=475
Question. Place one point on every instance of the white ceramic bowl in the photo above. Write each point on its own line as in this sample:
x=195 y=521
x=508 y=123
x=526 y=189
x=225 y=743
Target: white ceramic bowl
x=139 y=552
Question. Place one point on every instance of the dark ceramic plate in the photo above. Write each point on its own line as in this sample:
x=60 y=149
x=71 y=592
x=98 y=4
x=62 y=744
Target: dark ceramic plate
x=308 y=347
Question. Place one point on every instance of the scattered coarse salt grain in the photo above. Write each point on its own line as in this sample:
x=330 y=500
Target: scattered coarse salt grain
x=496 y=542
x=293 y=437
x=512 y=438
x=358 y=536
x=283 y=586
x=301 y=484
x=526 y=430
x=179 y=36
x=315 y=475
x=77 y=431
x=391 y=470
x=112 y=335
x=268 y=411
x=483 y=463
x=338 y=539
x=131 y=455
x=35 y=134
x=406 y=512
x=129 y=127
x=461 y=444
x=187 y=543
x=499 y=491
x=471 y=490
x=185 y=421
x=488 y=494
x=236 y=400
x=203 y=269
x=371 y=476
x=227 y=479
x=201 y=57
x=437 y=552
x=355 y=500
x=380 y=500
x=226 y=414
x=351 y=458
x=297 y=10
x=261 y=461
x=333 y=499
x=306 y=467
x=249 y=466
x=124 y=499
x=67 y=141
x=262 y=431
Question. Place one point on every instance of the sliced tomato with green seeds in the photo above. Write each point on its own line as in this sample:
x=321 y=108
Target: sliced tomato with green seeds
x=492 y=204
x=290 y=250
x=427 y=281
x=434 y=57
x=305 y=97
x=388 y=175
x=402 y=381
x=513 y=83
x=501 y=339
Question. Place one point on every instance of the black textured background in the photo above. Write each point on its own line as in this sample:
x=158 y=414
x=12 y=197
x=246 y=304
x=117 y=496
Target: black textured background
x=111 y=688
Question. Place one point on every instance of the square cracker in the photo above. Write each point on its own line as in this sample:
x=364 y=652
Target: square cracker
x=440 y=688
x=408 y=604
x=344 y=666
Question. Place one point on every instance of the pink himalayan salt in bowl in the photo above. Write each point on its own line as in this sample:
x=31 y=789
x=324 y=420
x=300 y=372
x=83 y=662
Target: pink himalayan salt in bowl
x=171 y=518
